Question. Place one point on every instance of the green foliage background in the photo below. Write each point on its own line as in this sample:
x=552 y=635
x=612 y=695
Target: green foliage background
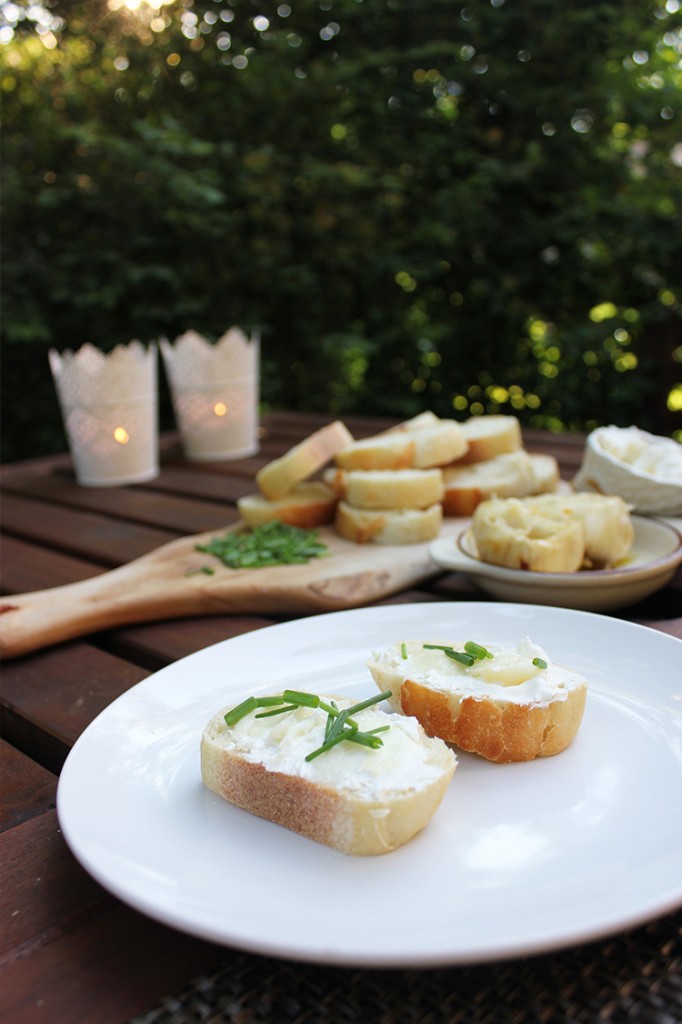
x=420 y=204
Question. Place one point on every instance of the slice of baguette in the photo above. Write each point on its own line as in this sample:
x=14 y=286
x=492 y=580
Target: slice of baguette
x=387 y=488
x=421 y=448
x=608 y=529
x=545 y=469
x=306 y=505
x=513 y=533
x=503 y=708
x=466 y=486
x=303 y=460
x=357 y=800
x=388 y=526
x=488 y=436
x=423 y=419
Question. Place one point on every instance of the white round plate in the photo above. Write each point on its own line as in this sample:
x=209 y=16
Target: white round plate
x=653 y=561
x=518 y=859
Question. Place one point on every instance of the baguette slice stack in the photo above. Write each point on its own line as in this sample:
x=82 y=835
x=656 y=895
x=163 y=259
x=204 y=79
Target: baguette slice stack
x=495 y=465
x=391 y=485
x=357 y=800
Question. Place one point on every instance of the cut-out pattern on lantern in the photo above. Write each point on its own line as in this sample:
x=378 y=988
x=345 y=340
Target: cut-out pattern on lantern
x=109 y=406
x=215 y=391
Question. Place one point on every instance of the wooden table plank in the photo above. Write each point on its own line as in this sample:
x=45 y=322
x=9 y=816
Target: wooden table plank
x=134 y=504
x=50 y=698
x=69 y=951
x=27 y=567
x=44 y=889
x=220 y=487
x=159 y=643
x=88 y=535
x=27 y=789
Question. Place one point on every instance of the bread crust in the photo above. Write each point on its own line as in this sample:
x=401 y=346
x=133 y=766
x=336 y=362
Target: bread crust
x=388 y=526
x=350 y=824
x=490 y=435
x=503 y=476
x=511 y=533
x=303 y=460
x=420 y=448
x=387 y=488
x=499 y=730
x=306 y=505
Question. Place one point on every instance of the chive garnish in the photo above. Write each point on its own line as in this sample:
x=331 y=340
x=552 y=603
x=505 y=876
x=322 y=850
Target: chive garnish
x=273 y=543
x=242 y=710
x=472 y=652
x=477 y=650
x=403 y=651
x=539 y=662
x=450 y=652
x=339 y=725
x=206 y=570
x=461 y=657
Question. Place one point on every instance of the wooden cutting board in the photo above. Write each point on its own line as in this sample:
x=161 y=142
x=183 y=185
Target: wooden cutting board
x=156 y=586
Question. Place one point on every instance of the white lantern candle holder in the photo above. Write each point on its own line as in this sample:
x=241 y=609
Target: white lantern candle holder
x=215 y=391
x=109 y=404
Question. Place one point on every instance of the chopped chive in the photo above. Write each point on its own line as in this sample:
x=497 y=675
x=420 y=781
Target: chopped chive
x=241 y=710
x=477 y=650
x=273 y=543
x=368 y=703
x=403 y=651
x=308 y=700
x=327 y=745
x=339 y=725
x=461 y=657
x=207 y=570
x=277 y=711
x=539 y=662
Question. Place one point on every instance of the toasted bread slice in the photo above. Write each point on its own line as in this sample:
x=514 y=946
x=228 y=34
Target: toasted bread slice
x=303 y=460
x=545 y=469
x=387 y=488
x=466 y=486
x=505 y=708
x=357 y=800
x=608 y=528
x=306 y=505
x=423 y=419
x=388 y=526
x=422 y=448
x=488 y=436
x=513 y=533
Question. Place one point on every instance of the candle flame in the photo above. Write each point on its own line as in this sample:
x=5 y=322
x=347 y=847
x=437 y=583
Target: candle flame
x=121 y=435
x=220 y=408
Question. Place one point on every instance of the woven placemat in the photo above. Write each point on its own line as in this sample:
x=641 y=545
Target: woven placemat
x=634 y=977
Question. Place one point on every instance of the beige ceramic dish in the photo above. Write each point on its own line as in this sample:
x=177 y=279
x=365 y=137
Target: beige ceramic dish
x=655 y=556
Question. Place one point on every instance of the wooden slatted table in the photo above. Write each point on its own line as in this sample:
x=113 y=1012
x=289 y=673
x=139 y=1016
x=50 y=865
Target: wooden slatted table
x=69 y=951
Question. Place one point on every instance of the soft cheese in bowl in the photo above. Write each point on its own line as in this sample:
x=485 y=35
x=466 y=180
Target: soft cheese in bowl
x=643 y=468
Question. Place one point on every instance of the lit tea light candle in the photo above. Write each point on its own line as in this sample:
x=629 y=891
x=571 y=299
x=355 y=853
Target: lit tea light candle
x=109 y=406
x=215 y=390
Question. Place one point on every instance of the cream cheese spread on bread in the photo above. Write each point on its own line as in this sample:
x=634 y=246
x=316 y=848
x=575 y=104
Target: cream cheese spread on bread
x=402 y=764
x=504 y=703
x=522 y=674
x=294 y=769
